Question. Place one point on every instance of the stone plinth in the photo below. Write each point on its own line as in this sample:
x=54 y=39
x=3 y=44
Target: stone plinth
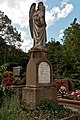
x=32 y=96
x=39 y=79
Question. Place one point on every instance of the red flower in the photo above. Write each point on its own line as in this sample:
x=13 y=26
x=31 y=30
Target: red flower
x=8 y=81
x=75 y=93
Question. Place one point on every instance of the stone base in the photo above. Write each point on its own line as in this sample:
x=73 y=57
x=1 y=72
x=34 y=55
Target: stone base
x=31 y=96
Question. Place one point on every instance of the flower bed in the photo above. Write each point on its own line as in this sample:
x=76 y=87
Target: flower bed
x=75 y=95
x=62 y=91
x=8 y=81
x=72 y=95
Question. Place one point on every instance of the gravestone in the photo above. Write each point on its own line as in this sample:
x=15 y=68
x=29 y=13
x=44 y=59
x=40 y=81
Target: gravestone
x=16 y=70
x=39 y=71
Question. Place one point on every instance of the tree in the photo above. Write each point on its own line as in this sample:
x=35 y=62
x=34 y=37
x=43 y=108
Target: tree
x=65 y=57
x=55 y=56
x=71 y=51
x=9 y=38
x=7 y=32
x=2 y=50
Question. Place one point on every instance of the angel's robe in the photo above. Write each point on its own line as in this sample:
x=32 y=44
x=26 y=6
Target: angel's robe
x=39 y=29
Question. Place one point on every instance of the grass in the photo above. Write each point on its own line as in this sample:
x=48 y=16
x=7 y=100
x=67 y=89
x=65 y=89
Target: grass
x=11 y=110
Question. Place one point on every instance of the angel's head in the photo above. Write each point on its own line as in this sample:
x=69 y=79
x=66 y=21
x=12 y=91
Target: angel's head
x=40 y=5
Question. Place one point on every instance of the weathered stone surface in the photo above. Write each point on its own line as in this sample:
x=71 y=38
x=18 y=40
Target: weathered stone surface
x=32 y=96
x=72 y=117
x=44 y=73
x=38 y=25
x=33 y=77
x=39 y=79
x=39 y=72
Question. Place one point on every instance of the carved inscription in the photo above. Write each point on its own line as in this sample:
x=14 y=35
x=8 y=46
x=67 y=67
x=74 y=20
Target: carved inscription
x=44 y=72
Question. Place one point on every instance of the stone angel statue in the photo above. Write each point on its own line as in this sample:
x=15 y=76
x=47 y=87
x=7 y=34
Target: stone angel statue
x=37 y=25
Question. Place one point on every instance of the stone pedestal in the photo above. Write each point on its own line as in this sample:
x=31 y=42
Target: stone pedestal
x=39 y=79
x=33 y=95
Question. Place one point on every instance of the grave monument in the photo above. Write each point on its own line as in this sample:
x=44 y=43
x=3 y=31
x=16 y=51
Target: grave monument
x=39 y=72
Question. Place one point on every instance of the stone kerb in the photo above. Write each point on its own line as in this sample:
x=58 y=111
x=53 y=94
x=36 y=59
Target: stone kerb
x=75 y=116
x=73 y=103
x=72 y=117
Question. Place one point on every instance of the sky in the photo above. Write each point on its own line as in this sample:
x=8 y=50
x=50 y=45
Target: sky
x=59 y=14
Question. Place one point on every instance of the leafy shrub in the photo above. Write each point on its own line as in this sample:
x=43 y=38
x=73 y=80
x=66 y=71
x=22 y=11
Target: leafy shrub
x=11 y=110
x=76 y=83
x=54 y=110
x=18 y=80
x=48 y=111
x=6 y=80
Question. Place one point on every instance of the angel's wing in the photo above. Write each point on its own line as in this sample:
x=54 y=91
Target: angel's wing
x=31 y=12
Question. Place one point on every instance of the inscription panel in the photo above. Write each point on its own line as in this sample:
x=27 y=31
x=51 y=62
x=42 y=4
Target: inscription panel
x=44 y=72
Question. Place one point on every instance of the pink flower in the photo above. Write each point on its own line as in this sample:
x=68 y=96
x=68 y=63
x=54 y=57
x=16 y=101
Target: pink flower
x=75 y=93
x=62 y=89
x=78 y=95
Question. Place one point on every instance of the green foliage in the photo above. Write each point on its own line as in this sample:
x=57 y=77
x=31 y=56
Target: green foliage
x=9 y=40
x=71 y=50
x=65 y=58
x=11 y=110
x=4 y=89
x=8 y=32
x=54 y=110
x=55 y=56
x=3 y=68
x=47 y=110
x=13 y=56
x=76 y=83
x=18 y=81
